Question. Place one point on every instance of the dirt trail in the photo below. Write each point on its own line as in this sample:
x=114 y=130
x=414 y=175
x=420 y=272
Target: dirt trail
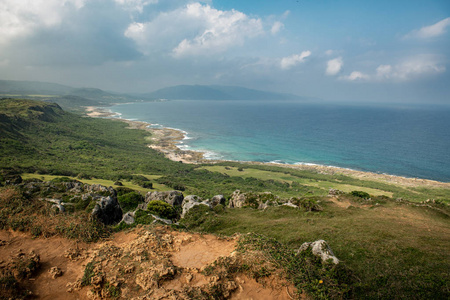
x=141 y=263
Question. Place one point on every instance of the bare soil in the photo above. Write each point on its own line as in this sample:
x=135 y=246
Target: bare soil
x=142 y=263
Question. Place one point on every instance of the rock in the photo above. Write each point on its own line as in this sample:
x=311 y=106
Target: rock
x=320 y=248
x=254 y=200
x=334 y=192
x=60 y=207
x=13 y=179
x=55 y=272
x=237 y=199
x=100 y=188
x=174 y=198
x=73 y=186
x=107 y=210
x=290 y=204
x=216 y=200
x=158 y=219
x=191 y=201
x=128 y=218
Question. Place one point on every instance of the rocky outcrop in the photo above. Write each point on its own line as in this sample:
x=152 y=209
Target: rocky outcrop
x=253 y=200
x=237 y=199
x=174 y=198
x=107 y=210
x=321 y=249
x=334 y=192
x=98 y=188
x=216 y=200
x=128 y=218
x=192 y=201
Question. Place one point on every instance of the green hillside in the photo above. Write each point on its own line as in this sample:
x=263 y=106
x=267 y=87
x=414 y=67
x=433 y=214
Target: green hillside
x=392 y=246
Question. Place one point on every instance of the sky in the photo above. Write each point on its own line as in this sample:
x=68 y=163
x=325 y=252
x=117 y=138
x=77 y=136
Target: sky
x=380 y=51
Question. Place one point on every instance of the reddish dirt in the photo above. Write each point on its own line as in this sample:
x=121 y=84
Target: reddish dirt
x=130 y=261
x=51 y=251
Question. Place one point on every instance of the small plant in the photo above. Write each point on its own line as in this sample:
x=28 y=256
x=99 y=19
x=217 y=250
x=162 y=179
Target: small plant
x=162 y=209
x=88 y=274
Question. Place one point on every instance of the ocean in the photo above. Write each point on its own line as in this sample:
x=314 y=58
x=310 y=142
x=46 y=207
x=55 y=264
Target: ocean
x=411 y=141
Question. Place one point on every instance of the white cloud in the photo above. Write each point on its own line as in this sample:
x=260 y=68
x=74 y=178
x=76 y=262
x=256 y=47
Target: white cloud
x=355 y=75
x=18 y=18
x=290 y=61
x=329 y=52
x=334 y=66
x=384 y=72
x=431 y=31
x=135 y=5
x=220 y=30
x=194 y=29
x=276 y=27
x=411 y=68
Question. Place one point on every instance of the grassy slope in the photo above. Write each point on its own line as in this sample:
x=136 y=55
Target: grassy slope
x=395 y=250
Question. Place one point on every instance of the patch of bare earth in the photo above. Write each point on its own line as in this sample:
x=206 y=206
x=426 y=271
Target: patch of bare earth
x=155 y=263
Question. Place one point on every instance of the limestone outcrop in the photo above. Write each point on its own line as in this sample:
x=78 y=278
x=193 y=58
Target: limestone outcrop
x=107 y=210
x=321 y=249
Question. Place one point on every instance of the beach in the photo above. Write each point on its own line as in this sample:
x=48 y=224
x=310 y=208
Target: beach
x=166 y=140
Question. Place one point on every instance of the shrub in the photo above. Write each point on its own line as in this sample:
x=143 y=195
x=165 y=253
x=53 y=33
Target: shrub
x=129 y=201
x=142 y=217
x=162 y=209
x=201 y=218
x=147 y=185
x=360 y=194
x=62 y=179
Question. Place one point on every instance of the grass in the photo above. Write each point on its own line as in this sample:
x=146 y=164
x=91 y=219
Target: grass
x=282 y=177
x=395 y=251
x=156 y=186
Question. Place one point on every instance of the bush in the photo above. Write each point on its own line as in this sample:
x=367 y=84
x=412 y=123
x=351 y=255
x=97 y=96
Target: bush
x=162 y=209
x=129 y=201
x=360 y=194
x=201 y=218
x=62 y=179
x=147 y=185
x=123 y=190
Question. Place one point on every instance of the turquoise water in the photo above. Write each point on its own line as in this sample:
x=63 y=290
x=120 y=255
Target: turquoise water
x=407 y=141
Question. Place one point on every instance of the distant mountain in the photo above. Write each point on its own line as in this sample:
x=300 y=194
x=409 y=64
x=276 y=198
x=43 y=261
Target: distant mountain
x=71 y=98
x=15 y=87
x=217 y=92
x=66 y=96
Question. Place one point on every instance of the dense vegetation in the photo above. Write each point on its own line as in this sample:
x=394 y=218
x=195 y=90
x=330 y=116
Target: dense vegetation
x=391 y=247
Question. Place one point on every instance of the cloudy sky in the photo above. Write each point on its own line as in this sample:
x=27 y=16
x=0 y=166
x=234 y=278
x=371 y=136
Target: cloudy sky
x=363 y=51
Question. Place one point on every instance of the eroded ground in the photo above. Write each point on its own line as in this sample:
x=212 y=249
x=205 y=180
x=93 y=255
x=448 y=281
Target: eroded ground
x=143 y=263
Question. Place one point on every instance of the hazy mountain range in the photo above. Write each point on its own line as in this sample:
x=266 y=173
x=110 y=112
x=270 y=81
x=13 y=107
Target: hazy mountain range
x=70 y=97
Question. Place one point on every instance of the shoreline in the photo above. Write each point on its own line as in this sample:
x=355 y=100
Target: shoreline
x=166 y=140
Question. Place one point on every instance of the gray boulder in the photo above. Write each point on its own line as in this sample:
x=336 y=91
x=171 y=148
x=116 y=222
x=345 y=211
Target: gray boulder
x=216 y=200
x=98 y=188
x=321 y=249
x=128 y=218
x=192 y=201
x=162 y=220
x=107 y=210
x=289 y=204
x=237 y=200
x=174 y=198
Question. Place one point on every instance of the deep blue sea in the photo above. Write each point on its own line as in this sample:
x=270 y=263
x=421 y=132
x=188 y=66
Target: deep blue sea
x=409 y=141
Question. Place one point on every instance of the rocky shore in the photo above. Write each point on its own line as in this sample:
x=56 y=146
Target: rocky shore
x=166 y=140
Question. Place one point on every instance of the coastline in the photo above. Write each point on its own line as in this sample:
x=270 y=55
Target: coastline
x=166 y=141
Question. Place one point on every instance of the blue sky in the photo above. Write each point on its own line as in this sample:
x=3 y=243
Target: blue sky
x=352 y=51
